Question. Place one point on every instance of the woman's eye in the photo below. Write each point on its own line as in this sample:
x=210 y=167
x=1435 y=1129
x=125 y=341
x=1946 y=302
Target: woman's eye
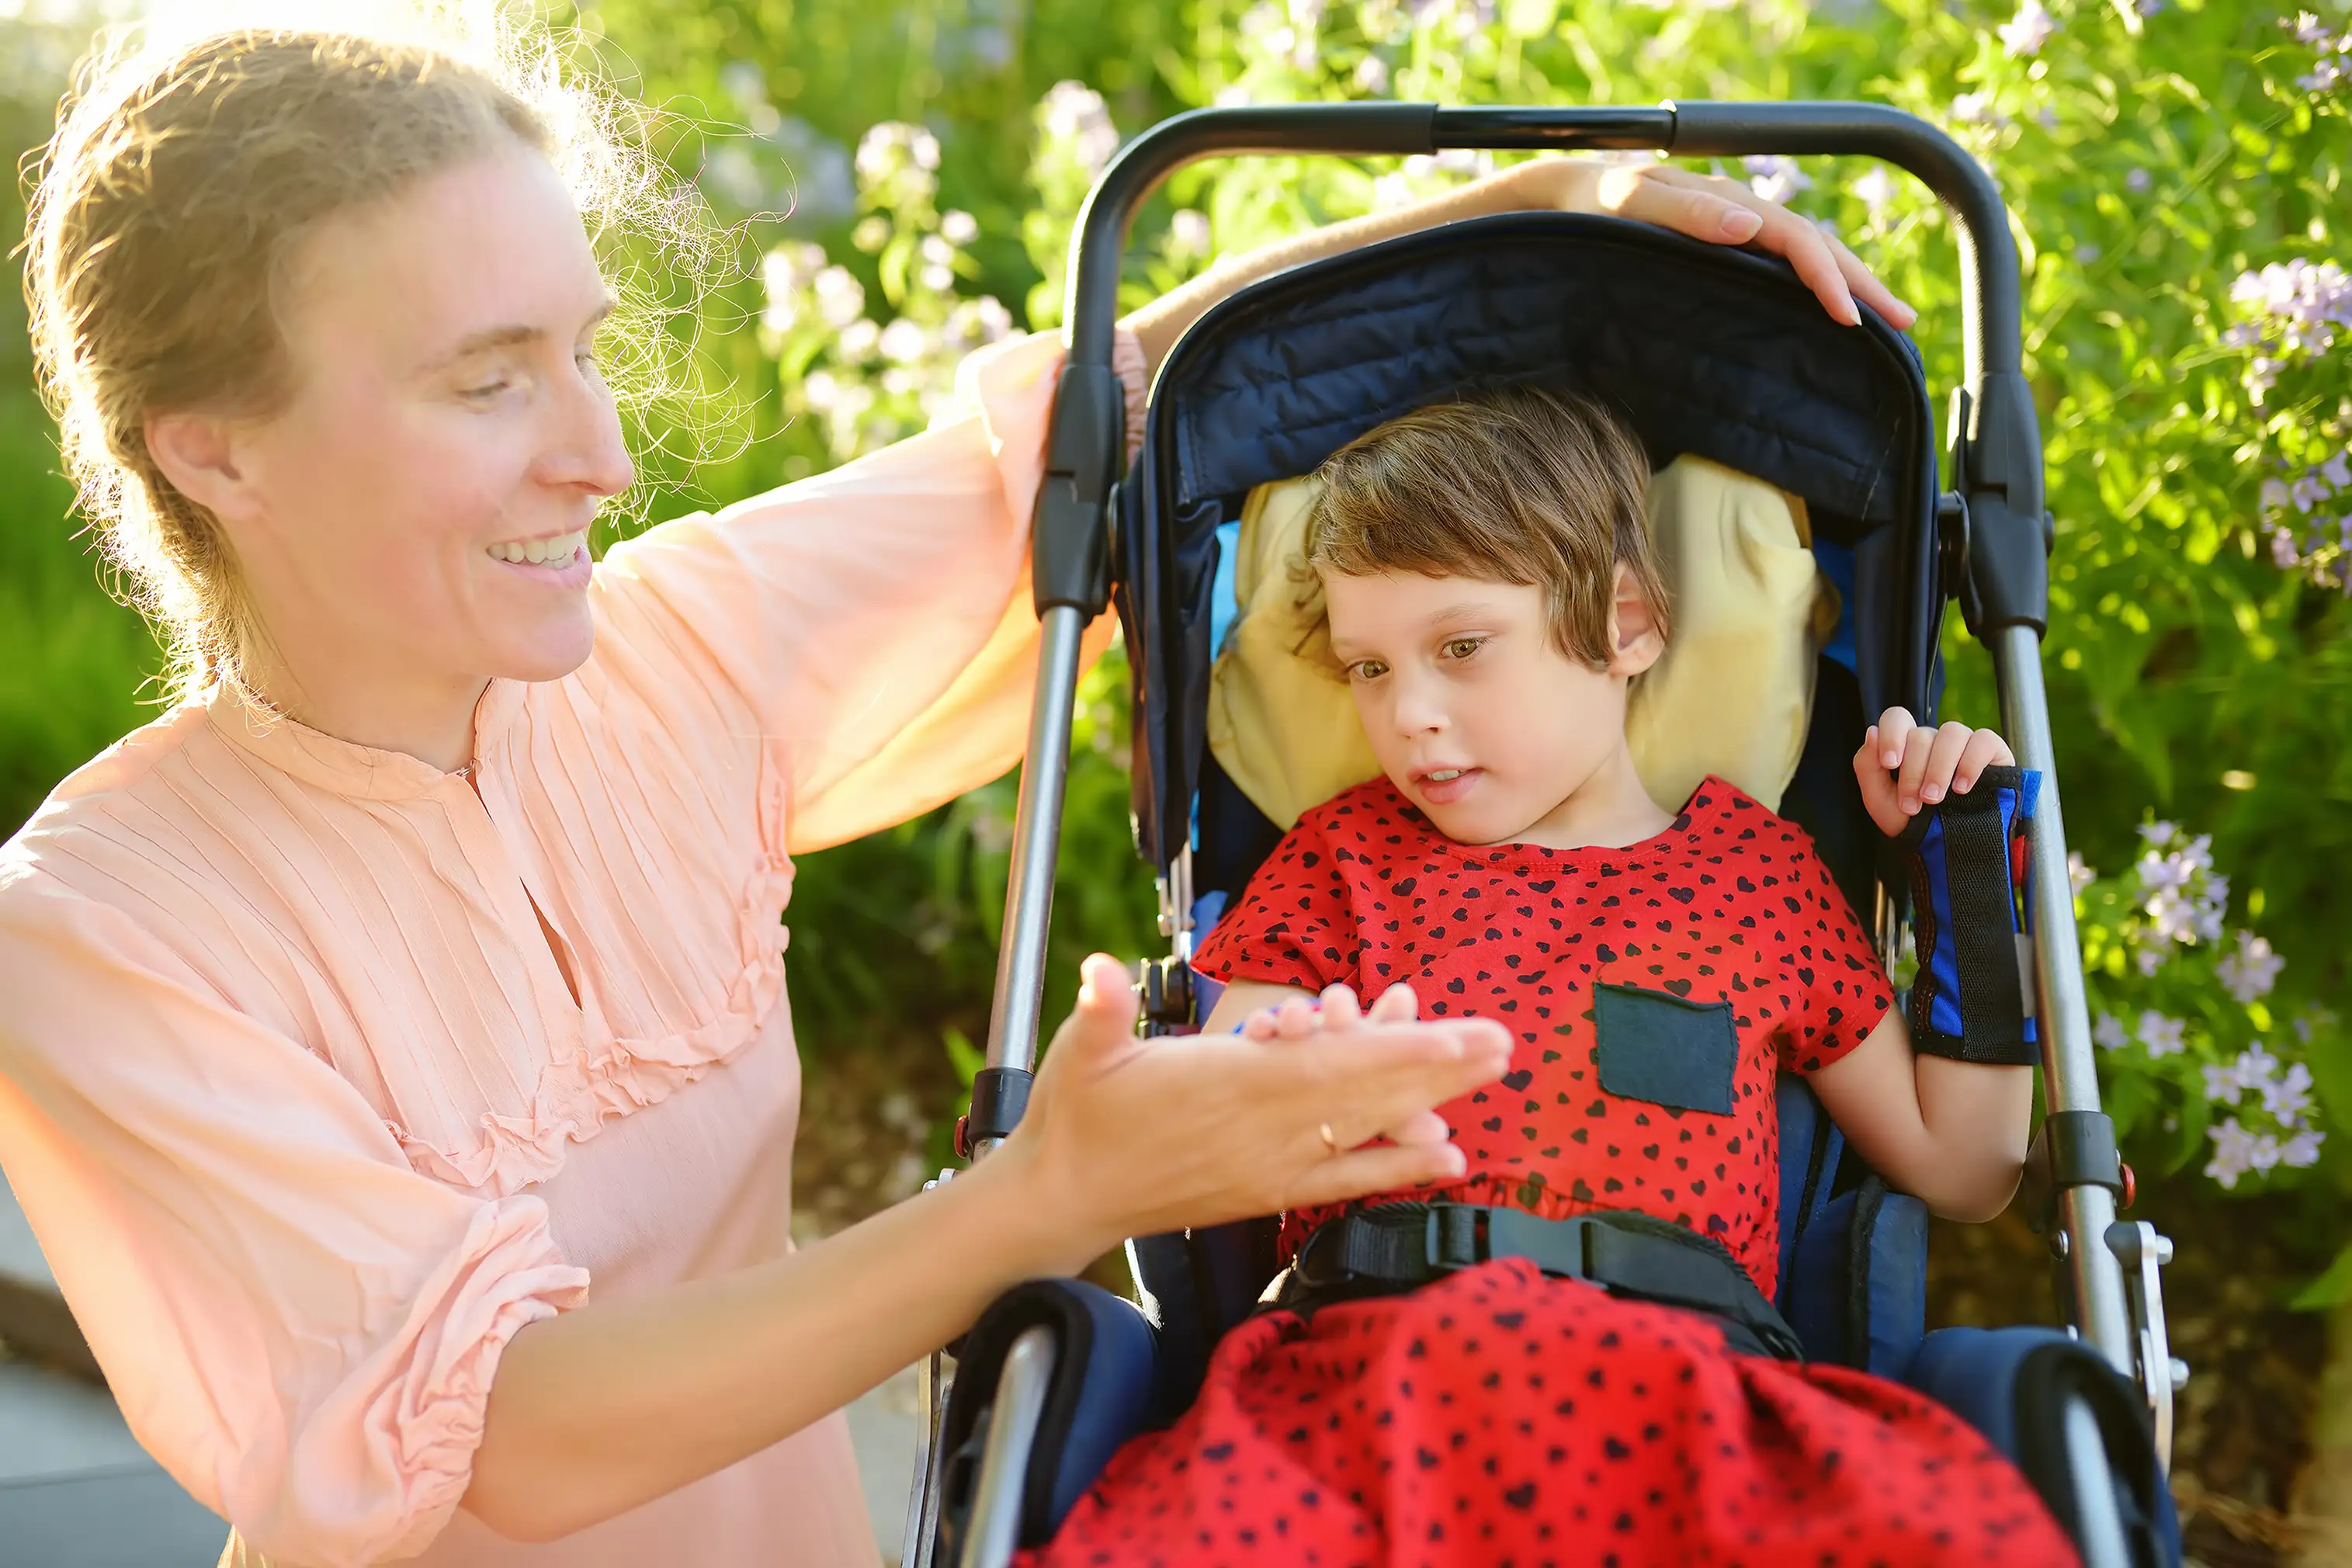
x=1463 y=647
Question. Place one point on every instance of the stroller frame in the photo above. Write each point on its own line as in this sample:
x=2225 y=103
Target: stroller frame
x=1994 y=537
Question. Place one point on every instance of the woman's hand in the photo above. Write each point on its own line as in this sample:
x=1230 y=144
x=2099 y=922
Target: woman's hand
x=1127 y=1137
x=1902 y=767
x=1709 y=207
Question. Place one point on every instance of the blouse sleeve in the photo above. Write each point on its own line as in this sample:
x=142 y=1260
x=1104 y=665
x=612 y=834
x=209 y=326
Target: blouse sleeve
x=300 y=1328
x=1843 y=991
x=1294 y=924
x=874 y=623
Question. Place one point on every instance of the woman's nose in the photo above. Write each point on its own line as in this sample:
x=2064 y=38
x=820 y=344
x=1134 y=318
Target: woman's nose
x=589 y=450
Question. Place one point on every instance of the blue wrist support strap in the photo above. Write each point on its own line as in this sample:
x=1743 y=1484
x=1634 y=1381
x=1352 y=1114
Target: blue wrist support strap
x=1965 y=858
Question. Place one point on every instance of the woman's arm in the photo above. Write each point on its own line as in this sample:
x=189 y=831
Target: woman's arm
x=1702 y=207
x=605 y=1407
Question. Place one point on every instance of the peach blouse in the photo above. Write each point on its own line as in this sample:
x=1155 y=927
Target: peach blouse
x=303 y=1110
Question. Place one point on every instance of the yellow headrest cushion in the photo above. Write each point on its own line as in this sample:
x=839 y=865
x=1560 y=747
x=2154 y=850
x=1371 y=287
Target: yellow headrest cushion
x=1732 y=696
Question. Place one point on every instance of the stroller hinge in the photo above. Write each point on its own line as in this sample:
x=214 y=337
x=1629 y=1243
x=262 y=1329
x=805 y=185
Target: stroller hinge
x=1086 y=446
x=1996 y=460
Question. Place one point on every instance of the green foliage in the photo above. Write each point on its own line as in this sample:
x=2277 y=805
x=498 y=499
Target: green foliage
x=2155 y=154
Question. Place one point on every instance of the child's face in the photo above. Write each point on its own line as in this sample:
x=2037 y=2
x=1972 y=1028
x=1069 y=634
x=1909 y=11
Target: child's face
x=1472 y=711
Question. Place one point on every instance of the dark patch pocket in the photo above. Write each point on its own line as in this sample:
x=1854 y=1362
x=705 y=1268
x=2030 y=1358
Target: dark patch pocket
x=1665 y=1051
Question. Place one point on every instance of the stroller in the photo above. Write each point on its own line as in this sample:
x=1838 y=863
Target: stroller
x=1707 y=351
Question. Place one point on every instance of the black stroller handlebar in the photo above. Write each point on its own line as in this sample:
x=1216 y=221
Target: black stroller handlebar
x=1994 y=343
x=1996 y=439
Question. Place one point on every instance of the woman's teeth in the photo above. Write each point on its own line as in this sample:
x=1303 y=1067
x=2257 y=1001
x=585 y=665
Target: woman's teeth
x=539 y=551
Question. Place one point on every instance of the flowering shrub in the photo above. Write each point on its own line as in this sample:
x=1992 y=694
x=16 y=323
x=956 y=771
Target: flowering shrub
x=2184 y=1020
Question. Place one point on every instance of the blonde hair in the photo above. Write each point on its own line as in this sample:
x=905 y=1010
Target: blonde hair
x=1521 y=486
x=184 y=173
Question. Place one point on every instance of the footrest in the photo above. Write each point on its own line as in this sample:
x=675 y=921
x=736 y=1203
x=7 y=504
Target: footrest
x=1105 y=1389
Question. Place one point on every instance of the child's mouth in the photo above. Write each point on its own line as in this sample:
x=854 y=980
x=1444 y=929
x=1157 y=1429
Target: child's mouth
x=1441 y=786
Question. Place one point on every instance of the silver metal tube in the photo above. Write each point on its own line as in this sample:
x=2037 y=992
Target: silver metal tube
x=2070 y=1077
x=1005 y=1458
x=922 y=1529
x=1037 y=835
x=2093 y=1473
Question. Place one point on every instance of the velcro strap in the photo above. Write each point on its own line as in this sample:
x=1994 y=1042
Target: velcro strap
x=1969 y=1000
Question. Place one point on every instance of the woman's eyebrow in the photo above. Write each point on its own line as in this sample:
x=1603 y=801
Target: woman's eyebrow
x=512 y=335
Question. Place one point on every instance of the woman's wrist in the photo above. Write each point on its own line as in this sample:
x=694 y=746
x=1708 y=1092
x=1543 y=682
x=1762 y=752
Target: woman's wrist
x=1544 y=184
x=1038 y=1225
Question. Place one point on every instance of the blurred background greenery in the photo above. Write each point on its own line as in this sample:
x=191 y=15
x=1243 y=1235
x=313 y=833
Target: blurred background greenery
x=904 y=175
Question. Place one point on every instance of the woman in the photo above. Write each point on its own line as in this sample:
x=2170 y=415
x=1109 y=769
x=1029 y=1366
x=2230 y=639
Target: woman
x=425 y=965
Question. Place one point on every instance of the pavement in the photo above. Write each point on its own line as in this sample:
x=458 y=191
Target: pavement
x=77 y=1492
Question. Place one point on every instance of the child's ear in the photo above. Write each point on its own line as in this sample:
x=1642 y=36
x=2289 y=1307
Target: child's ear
x=1635 y=641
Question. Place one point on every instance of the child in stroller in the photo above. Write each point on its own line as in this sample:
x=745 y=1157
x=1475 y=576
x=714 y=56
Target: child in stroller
x=1490 y=590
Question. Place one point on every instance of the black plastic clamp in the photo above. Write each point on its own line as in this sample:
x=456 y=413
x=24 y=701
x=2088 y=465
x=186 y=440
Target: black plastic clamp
x=999 y=1096
x=1165 y=988
x=2081 y=1149
x=1996 y=442
x=1085 y=452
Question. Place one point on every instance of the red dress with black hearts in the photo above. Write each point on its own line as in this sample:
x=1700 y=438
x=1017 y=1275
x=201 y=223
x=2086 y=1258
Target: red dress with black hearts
x=1497 y=1416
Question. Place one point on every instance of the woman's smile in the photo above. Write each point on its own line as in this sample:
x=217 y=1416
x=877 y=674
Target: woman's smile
x=558 y=560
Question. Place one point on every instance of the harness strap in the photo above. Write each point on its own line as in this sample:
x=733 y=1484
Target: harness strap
x=1389 y=1249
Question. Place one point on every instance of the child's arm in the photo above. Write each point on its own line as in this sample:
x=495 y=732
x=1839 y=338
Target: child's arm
x=1952 y=1133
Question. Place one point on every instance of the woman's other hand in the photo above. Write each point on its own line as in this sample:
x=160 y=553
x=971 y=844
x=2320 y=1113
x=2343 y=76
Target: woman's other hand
x=1127 y=1136
x=1903 y=766
x=1710 y=208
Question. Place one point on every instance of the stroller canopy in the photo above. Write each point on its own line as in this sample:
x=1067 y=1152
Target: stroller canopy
x=1704 y=349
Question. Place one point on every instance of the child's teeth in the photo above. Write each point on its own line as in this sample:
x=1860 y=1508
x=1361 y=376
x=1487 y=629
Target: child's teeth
x=1446 y=776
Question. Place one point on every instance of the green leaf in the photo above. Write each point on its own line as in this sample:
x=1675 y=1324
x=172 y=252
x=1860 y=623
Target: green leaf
x=2332 y=1289
x=962 y=1054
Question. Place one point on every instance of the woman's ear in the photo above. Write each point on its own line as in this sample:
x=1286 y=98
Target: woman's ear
x=197 y=452
x=1635 y=641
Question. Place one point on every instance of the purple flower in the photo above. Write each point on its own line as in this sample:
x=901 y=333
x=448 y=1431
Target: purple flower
x=1776 y=178
x=2250 y=970
x=2137 y=180
x=2025 y=33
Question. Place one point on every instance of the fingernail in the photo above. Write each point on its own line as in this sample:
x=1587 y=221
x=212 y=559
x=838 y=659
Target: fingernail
x=1850 y=313
x=1740 y=224
x=1932 y=794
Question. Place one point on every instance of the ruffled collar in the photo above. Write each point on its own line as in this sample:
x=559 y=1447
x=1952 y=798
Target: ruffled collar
x=348 y=769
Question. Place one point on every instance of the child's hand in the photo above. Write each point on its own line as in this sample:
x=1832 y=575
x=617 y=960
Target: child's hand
x=1902 y=767
x=1336 y=1012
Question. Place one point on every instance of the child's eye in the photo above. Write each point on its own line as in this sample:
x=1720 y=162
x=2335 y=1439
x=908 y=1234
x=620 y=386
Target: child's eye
x=484 y=391
x=1367 y=670
x=1463 y=647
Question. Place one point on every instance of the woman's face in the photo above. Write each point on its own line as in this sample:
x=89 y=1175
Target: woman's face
x=417 y=513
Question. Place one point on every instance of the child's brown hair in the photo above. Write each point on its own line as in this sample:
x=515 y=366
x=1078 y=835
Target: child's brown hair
x=1519 y=485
